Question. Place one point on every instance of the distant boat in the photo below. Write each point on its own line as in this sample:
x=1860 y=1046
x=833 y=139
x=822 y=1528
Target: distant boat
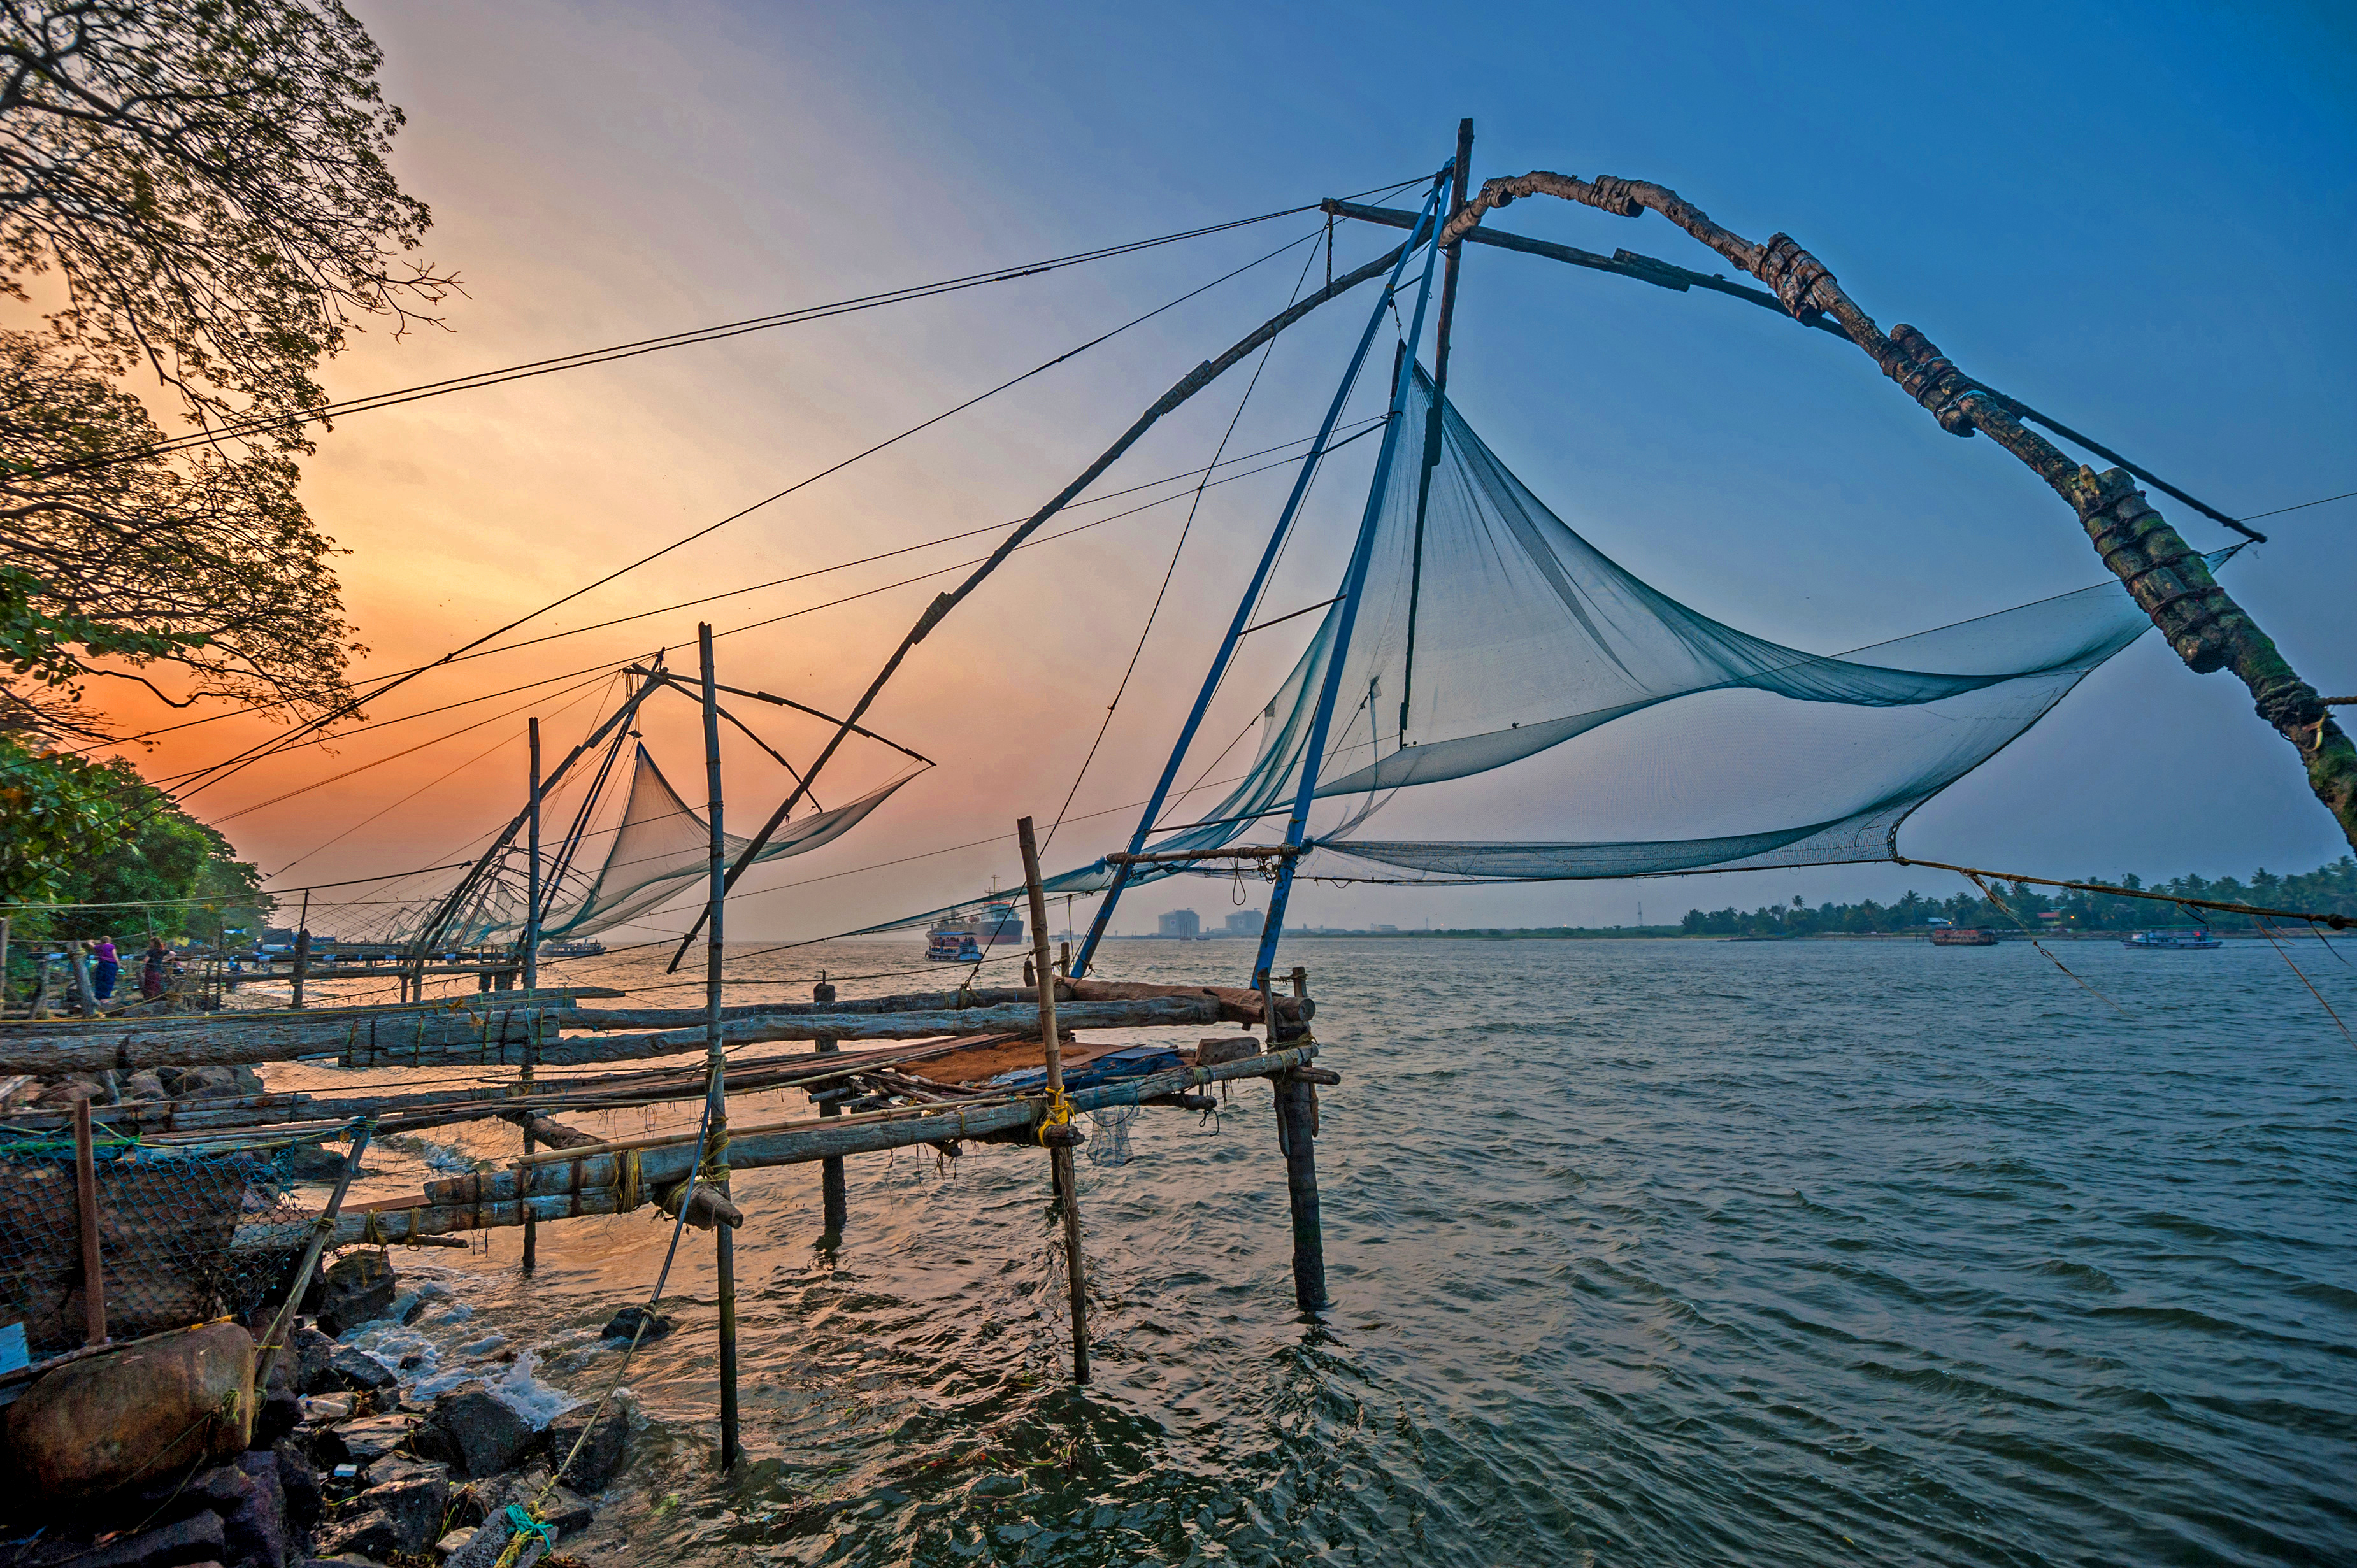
x=2194 y=939
x=1962 y=937
x=961 y=939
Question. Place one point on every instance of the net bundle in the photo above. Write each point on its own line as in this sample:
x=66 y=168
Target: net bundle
x=165 y=1225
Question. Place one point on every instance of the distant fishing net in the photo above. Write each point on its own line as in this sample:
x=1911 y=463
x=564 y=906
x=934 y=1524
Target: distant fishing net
x=165 y=1229
x=1677 y=742
x=1112 y=1146
x=660 y=847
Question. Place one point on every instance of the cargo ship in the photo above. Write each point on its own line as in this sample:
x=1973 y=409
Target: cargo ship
x=2194 y=939
x=1962 y=937
x=967 y=939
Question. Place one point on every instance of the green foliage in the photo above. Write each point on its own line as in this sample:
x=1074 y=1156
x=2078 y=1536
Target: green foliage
x=2328 y=890
x=55 y=811
x=97 y=834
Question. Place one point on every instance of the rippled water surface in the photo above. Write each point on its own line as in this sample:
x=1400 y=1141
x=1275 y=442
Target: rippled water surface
x=1641 y=1252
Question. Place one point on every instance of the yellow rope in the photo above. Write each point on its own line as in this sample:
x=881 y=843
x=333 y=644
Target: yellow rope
x=1059 y=1113
x=627 y=1198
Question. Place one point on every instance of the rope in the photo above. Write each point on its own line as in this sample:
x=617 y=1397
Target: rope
x=2338 y=922
x=523 y=1525
x=2057 y=962
x=1058 y=1114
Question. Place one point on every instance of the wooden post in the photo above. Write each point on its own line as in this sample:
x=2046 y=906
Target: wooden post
x=531 y=964
x=93 y=1268
x=302 y=947
x=85 y=995
x=4 y=959
x=1059 y=1149
x=716 y=1059
x=1297 y=1138
x=831 y=1197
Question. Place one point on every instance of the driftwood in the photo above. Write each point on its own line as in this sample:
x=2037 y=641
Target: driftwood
x=592 y=1183
x=2167 y=578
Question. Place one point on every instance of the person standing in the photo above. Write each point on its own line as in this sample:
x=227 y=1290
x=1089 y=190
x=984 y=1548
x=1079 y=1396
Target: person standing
x=107 y=964
x=154 y=970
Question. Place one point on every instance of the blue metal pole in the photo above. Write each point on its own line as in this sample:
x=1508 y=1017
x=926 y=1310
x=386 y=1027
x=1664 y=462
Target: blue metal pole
x=1352 y=582
x=1252 y=592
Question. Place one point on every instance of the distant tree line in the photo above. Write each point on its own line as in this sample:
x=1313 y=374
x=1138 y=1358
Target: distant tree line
x=2328 y=890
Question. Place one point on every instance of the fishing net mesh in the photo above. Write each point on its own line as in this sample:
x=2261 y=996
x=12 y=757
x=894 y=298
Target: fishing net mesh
x=1113 y=1147
x=1494 y=633
x=165 y=1227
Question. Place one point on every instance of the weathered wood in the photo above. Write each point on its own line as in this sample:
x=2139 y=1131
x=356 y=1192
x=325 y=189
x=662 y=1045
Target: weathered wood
x=591 y=1183
x=1296 y=1118
x=555 y=1134
x=1059 y=1154
x=93 y=1270
x=835 y=1202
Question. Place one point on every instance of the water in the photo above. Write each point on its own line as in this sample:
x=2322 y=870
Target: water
x=1644 y=1252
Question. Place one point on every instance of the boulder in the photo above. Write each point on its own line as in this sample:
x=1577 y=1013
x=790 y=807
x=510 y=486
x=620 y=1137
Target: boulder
x=197 y=1539
x=415 y=1499
x=357 y=1289
x=279 y=1414
x=369 y=1533
x=625 y=1322
x=308 y=1352
x=601 y=1456
x=144 y=1086
x=258 y=1531
x=370 y=1438
x=357 y=1371
x=484 y=1547
x=299 y=1483
x=477 y=1431
x=100 y=1424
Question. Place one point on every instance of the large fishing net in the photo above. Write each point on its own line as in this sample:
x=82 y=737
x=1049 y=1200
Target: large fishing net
x=166 y=1223
x=660 y=847
x=1494 y=633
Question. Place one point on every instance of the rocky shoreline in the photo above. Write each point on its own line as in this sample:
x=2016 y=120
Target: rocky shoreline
x=340 y=1464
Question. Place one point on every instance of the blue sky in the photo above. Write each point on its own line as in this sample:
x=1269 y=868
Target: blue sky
x=2135 y=218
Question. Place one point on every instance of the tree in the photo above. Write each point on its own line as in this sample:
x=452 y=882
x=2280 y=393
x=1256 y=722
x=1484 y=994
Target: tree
x=210 y=179
x=208 y=563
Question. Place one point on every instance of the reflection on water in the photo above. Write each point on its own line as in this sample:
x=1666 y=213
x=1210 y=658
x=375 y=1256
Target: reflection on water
x=1663 y=1252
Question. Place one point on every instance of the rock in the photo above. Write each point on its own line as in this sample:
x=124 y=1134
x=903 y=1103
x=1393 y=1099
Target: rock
x=299 y=1482
x=600 y=1458
x=193 y=1539
x=370 y=1438
x=625 y=1322
x=221 y=1487
x=478 y=1431
x=357 y=1288
x=309 y=1162
x=371 y=1533
x=94 y=1425
x=343 y=1560
x=144 y=1086
x=414 y=1501
x=359 y=1371
x=490 y=1539
x=451 y=1544
x=563 y=1510
x=280 y=1413
x=257 y=1533
x=308 y=1351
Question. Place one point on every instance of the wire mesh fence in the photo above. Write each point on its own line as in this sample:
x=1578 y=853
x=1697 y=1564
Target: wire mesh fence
x=167 y=1224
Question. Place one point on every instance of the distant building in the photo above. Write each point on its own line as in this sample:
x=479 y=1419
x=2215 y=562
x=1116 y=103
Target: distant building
x=1245 y=923
x=1181 y=923
x=1387 y=930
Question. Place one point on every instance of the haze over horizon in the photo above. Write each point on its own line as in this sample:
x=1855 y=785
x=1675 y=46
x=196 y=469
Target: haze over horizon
x=2135 y=219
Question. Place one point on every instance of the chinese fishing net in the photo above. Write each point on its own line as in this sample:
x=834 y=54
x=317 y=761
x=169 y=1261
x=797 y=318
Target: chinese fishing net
x=1496 y=633
x=660 y=847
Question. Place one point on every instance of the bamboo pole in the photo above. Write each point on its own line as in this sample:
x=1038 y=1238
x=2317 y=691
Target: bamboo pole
x=715 y=1058
x=321 y=1230
x=532 y=962
x=1059 y=1148
x=93 y=1268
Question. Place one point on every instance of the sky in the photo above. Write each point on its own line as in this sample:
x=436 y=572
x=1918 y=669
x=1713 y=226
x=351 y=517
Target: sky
x=2133 y=218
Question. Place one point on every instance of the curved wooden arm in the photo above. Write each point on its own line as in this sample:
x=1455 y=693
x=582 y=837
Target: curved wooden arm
x=2166 y=576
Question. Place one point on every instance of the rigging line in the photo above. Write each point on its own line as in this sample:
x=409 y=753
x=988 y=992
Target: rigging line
x=2057 y=962
x=390 y=757
x=422 y=789
x=756 y=625
x=2267 y=931
x=2301 y=507
x=800 y=484
x=217 y=897
x=582 y=358
x=1176 y=549
x=687 y=604
x=2338 y=922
